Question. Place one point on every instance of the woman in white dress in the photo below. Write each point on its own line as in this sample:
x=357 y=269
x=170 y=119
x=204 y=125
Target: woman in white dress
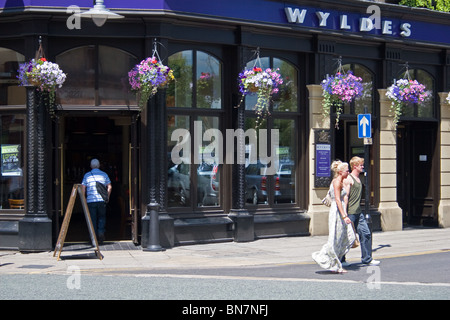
x=338 y=244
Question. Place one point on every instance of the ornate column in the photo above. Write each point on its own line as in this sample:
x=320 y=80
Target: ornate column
x=243 y=220
x=166 y=223
x=35 y=229
x=444 y=131
x=391 y=213
x=320 y=129
x=151 y=218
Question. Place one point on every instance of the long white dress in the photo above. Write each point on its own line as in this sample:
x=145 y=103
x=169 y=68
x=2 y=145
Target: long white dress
x=338 y=244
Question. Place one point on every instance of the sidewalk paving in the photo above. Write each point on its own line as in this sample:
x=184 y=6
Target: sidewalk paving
x=274 y=251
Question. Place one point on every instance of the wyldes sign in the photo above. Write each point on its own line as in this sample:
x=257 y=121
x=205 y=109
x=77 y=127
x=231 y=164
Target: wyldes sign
x=350 y=22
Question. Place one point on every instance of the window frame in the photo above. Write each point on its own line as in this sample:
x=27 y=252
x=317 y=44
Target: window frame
x=194 y=112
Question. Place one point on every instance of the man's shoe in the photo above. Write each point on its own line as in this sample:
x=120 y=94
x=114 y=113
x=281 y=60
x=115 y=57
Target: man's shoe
x=373 y=263
x=345 y=264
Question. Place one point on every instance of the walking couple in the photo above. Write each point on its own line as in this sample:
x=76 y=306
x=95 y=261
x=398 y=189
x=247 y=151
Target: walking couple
x=347 y=188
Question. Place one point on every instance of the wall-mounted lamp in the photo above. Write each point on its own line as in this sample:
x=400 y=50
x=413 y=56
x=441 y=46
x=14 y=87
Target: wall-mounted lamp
x=100 y=14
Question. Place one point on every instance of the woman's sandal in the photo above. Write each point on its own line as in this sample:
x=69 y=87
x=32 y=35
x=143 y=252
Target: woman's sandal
x=340 y=271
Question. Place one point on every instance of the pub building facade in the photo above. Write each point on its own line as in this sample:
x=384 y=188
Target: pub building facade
x=158 y=203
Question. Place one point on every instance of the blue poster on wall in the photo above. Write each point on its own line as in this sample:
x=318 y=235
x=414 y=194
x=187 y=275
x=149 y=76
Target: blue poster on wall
x=323 y=160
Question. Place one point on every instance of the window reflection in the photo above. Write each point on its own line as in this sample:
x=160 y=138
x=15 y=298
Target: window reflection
x=198 y=86
x=92 y=83
x=424 y=109
x=113 y=67
x=279 y=187
x=179 y=175
x=209 y=81
x=12 y=148
x=284 y=179
x=208 y=175
x=10 y=92
x=179 y=93
x=286 y=100
x=79 y=87
x=207 y=72
x=366 y=100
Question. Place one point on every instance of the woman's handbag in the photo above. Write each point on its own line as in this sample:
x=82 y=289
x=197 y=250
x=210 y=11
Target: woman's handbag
x=327 y=200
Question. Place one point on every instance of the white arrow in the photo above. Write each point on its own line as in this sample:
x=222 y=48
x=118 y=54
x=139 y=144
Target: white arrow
x=364 y=122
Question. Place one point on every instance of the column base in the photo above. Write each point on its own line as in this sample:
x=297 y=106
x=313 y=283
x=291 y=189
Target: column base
x=35 y=234
x=318 y=225
x=391 y=217
x=444 y=214
x=244 y=230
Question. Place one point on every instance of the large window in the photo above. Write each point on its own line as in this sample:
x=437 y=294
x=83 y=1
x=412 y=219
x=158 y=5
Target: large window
x=10 y=92
x=274 y=182
x=98 y=76
x=194 y=104
x=12 y=128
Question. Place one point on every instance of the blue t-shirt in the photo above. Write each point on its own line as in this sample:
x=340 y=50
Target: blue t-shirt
x=89 y=181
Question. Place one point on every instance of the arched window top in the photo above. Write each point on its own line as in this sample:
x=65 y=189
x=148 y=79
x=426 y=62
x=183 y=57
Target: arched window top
x=424 y=109
x=367 y=98
x=97 y=76
x=198 y=82
x=9 y=64
x=286 y=100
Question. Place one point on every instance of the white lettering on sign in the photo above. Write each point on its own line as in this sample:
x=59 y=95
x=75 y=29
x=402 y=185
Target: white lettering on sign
x=387 y=27
x=295 y=16
x=344 y=23
x=366 y=24
x=323 y=16
x=406 y=30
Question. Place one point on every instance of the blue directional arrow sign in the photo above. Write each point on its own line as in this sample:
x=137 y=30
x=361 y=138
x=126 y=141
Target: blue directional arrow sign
x=365 y=125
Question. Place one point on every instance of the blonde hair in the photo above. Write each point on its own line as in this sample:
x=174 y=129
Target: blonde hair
x=356 y=161
x=338 y=166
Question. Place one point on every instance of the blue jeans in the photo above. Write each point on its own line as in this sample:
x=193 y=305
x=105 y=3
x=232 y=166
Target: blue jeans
x=98 y=216
x=365 y=236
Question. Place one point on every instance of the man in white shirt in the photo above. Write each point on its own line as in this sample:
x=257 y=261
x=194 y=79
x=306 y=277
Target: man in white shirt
x=96 y=204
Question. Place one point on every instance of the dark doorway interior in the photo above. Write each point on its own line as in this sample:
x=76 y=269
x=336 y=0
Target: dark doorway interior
x=107 y=139
x=416 y=181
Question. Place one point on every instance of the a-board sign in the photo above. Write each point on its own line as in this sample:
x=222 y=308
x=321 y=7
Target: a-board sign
x=77 y=188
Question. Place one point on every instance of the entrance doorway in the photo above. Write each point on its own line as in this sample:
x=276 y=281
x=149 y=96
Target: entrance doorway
x=417 y=168
x=110 y=140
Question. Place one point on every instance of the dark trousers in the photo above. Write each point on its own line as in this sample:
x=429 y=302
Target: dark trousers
x=98 y=216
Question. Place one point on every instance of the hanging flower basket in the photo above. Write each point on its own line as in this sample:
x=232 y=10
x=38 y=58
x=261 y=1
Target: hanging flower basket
x=403 y=92
x=43 y=74
x=147 y=77
x=263 y=83
x=340 y=89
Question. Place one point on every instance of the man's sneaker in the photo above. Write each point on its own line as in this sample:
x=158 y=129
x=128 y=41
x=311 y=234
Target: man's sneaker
x=373 y=263
x=345 y=264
